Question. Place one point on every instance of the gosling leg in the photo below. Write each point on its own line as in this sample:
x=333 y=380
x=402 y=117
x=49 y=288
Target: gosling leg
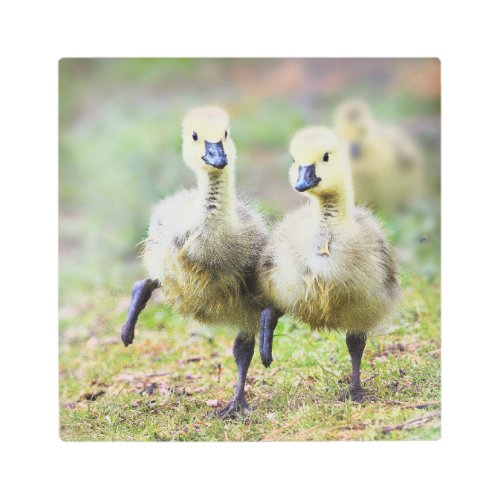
x=141 y=293
x=243 y=352
x=356 y=345
x=268 y=321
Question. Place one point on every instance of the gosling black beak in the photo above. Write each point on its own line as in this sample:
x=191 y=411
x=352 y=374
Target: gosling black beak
x=214 y=154
x=307 y=178
x=355 y=150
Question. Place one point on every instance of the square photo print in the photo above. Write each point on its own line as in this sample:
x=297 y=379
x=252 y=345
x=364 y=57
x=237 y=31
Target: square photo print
x=249 y=249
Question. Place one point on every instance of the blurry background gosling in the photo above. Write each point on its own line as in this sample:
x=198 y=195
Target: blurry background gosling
x=387 y=165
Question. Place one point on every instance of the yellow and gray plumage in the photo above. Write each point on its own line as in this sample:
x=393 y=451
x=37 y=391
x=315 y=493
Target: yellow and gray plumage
x=203 y=244
x=328 y=263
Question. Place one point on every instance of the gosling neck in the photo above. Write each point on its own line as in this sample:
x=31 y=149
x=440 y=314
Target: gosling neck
x=333 y=208
x=217 y=194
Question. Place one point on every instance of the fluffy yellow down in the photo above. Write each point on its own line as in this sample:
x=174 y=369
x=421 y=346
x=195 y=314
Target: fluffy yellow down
x=328 y=263
x=203 y=244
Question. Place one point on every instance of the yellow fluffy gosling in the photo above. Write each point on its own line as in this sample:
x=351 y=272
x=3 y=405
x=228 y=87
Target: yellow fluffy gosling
x=203 y=245
x=387 y=165
x=327 y=264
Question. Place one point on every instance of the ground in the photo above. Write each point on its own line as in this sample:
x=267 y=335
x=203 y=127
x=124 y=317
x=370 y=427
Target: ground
x=169 y=384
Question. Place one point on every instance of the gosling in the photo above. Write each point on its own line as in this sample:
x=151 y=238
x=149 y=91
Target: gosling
x=387 y=164
x=203 y=246
x=327 y=264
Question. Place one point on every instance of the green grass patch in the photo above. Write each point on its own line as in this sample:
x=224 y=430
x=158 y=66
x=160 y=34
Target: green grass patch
x=171 y=381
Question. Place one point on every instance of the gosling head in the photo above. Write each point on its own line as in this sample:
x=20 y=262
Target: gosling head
x=354 y=122
x=206 y=141
x=320 y=164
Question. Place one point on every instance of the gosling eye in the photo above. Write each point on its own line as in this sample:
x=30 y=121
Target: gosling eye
x=195 y=136
x=225 y=134
x=326 y=157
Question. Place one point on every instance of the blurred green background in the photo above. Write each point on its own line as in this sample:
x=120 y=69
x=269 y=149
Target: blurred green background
x=120 y=153
x=120 y=146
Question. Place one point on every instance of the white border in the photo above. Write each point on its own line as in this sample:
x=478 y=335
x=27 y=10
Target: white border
x=35 y=35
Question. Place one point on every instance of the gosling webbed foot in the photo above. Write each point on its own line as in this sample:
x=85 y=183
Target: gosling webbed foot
x=268 y=321
x=127 y=335
x=243 y=352
x=141 y=293
x=355 y=394
x=237 y=407
x=266 y=357
x=356 y=342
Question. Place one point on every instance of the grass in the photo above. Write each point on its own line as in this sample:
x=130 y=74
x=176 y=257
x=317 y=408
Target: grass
x=170 y=382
